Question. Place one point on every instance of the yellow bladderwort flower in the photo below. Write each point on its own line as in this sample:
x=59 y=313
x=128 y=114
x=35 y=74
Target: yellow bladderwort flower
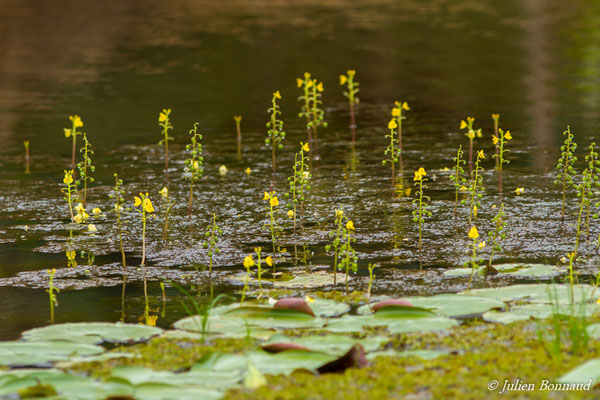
x=395 y=112
x=223 y=170
x=519 y=190
x=480 y=154
x=507 y=135
x=350 y=225
x=299 y=82
x=392 y=124
x=463 y=124
x=563 y=260
x=481 y=245
x=137 y=201
x=277 y=95
x=343 y=79
x=148 y=205
x=274 y=201
x=306 y=75
x=471 y=134
x=309 y=299
x=495 y=116
x=351 y=72
x=92 y=228
x=248 y=262
x=70 y=256
x=248 y=171
x=305 y=147
x=68 y=179
x=473 y=233
x=162 y=117
x=339 y=213
x=151 y=320
x=494 y=139
x=77 y=122
x=67 y=132
x=290 y=214
x=320 y=87
x=164 y=192
x=417 y=177
x=267 y=196
x=79 y=208
x=78 y=219
x=462 y=188
x=269 y=261
x=478 y=132
x=474 y=211
x=422 y=171
x=96 y=211
x=405 y=106
x=237 y=118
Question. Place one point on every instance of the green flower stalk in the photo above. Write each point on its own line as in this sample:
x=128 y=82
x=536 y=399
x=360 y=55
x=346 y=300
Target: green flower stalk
x=594 y=184
x=352 y=88
x=371 y=268
x=164 y=121
x=72 y=132
x=71 y=258
x=272 y=224
x=337 y=235
x=238 y=129
x=475 y=260
x=167 y=206
x=458 y=177
x=52 y=291
x=268 y=261
x=496 y=235
x=85 y=167
x=26 y=144
x=69 y=191
x=565 y=169
x=194 y=165
x=275 y=131
x=145 y=210
x=317 y=114
x=496 y=119
x=585 y=192
x=471 y=134
x=348 y=259
x=212 y=234
x=305 y=98
x=392 y=151
x=421 y=211
x=299 y=184
x=397 y=113
x=499 y=142
x=475 y=188
x=117 y=195
x=248 y=263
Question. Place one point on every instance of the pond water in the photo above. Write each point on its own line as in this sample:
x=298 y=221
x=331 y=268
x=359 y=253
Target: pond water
x=118 y=64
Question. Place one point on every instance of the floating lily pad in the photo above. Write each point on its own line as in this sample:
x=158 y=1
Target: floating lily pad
x=424 y=354
x=515 y=270
x=328 y=308
x=539 y=311
x=313 y=280
x=594 y=331
x=93 y=332
x=450 y=305
x=350 y=323
x=590 y=370
x=36 y=353
x=536 y=293
x=331 y=344
x=136 y=375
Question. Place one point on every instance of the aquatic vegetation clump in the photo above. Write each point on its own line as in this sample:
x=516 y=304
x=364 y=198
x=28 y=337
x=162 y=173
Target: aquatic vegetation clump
x=348 y=259
x=85 y=168
x=471 y=134
x=352 y=88
x=565 y=167
x=496 y=235
x=164 y=121
x=392 y=151
x=194 y=165
x=458 y=177
x=299 y=184
x=118 y=195
x=52 y=291
x=212 y=234
x=337 y=237
x=499 y=142
x=69 y=191
x=421 y=211
x=475 y=188
x=72 y=132
x=275 y=133
x=475 y=244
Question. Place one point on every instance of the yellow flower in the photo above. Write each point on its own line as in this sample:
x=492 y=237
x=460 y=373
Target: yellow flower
x=151 y=320
x=343 y=79
x=70 y=256
x=351 y=72
x=462 y=188
x=350 y=225
x=96 y=211
x=269 y=261
x=92 y=228
x=223 y=170
x=474 y=211
x=248 y=262
x=480 y=154
x=67 y=132
x=320 y=87
x=470 y=119
x=162 y=117
x=277 y=95
x=507 y=135
x=274 y=201
x=473 y=234
x=309 y=299
x=470 y=134
x=418 y=176
x=305 y=147
x=77 y=122
x=248 y=170
x=137 y=201
x=306 y=75
x=290 y=214
x=481 y=245
x=164 y=192
x=267 y=196
x=495 y=116
x=392 y=124
x=405 y=106
x=463 y=124
x=79 y=208
x=563 y=260
x=395 y=112
x=494 y=139
x=299 y=82
x=238 y=118
x=422 y=171
x=519 y=190
x=68 y=179
x=148 y=205
x=478 y=132
x=339 y=213
x=78 y=219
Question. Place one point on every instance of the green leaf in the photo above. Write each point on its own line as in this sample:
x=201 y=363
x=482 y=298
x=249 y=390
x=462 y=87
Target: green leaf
x=93 y=332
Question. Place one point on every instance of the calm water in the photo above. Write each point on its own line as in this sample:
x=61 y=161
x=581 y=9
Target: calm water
x=117 y=64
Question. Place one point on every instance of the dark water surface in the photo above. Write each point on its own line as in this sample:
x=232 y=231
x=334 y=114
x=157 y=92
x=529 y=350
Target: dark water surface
x=117 y=64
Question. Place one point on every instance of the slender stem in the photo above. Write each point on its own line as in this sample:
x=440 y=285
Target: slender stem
x=143 y=236
x=420 y=223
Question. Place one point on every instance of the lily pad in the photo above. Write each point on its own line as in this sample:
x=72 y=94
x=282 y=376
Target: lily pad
x=450 y=305
x=331 y=344
x=313 y=280
x=93 y=332
x=593 y=331
x=424 y=354
x=536 y=293
x=351 y=323
x=515 y=270
x=37 y=353
x=590 y=370
x=328 y=308
x=539 y=311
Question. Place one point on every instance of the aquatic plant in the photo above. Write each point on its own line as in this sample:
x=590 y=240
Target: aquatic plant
x=145 y=210
x=52 y=291
x=275 y=131
x=118 y=195
x=347 y=255
x=299 y=183
x=371 y=268
x=337 y=237
x=564 y=167
x=593 y=169
x=268 y=261
x=496 y=119
x=499 y=142
x=212 y=237
x=496 y=235
x=471 y=134
x=81 y=215
x=71 y=258
x=248 y=263
x=397 y=113
x=352 y=88
x=167 y=205
x=69 y=191
x=238 y=130
x=194 y=165
x=392 y=151
x=272 y=224
x=457 y=177
x=475 y=244
x=26 y=144
x=571 y=257
x=164 y=121
x=317 y=114
x=305 y=110
x=76 y=122
x=421 y=211
x=585 y=193
x=475 y=188
x=88 y=256
x=85 y=167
